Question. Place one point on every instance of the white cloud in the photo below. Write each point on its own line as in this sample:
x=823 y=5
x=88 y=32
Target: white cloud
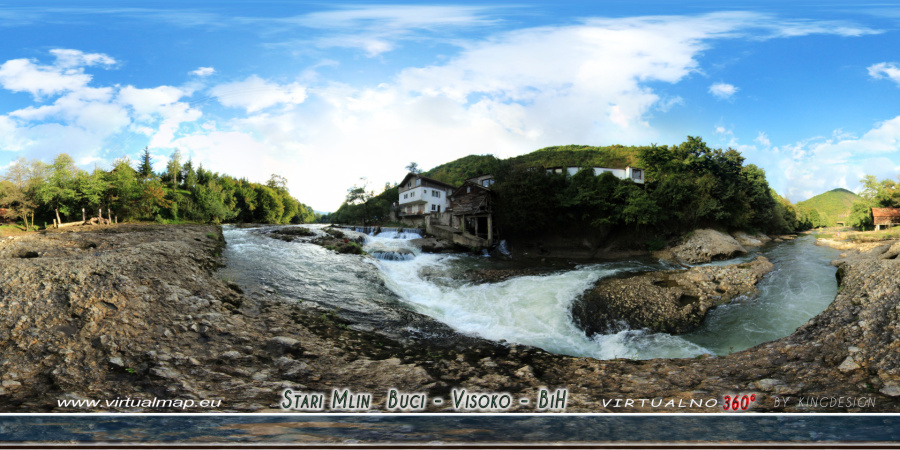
x=723 y=91
x=885 y=70
x=203 y=71
x=763 y=139
x=149 y=101
x=22 y=75
x=66 y=74
x=255 y=94
x=68 y=58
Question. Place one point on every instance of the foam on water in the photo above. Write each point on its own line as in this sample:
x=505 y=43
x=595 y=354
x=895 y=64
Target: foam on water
x=531 y=310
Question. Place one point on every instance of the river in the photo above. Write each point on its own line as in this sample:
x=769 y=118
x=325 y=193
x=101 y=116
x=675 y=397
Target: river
x=530 y=310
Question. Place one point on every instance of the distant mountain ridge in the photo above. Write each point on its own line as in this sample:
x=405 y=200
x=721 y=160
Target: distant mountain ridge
x=828 y=208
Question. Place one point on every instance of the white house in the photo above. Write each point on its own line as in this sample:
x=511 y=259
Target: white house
x=422 y=195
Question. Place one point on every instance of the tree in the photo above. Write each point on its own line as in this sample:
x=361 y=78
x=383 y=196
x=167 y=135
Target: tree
x=188 y=175
x=24 y=179
x=59 y=190
x=413 y=167
x=277 y=182
x=269 y=205
x=174 y=168
x=361 y=195
x=122 y=189
x=146 y=167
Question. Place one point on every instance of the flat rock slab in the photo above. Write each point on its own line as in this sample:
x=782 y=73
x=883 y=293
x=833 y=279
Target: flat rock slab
x=671 y=301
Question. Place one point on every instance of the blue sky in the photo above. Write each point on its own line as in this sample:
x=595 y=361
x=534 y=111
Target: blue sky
x=325 y=93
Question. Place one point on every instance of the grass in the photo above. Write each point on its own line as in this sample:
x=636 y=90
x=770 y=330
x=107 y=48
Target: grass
x=13 y=230
x=863 y=236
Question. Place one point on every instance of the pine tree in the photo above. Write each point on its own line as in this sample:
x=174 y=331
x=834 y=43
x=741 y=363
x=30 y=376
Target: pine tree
x=146 y=167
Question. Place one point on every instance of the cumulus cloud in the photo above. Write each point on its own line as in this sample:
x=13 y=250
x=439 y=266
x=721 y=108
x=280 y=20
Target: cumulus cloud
x=149 y=101
x=820 y=164
x=81 y=119
x=255 y=94
x=66 y=74
x=890 y=71
x=723 y=91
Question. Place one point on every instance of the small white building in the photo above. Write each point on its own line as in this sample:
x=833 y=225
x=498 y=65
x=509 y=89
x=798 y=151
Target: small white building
x=628 y=173
x=421 y=196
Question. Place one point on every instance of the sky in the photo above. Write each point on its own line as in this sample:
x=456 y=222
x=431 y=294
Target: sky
x=325 y=93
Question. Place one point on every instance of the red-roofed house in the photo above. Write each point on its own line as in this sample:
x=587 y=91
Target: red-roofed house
x=886 y=217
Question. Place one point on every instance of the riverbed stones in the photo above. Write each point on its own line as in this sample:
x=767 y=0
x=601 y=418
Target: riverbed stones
x=707 y=245
x=672 y=301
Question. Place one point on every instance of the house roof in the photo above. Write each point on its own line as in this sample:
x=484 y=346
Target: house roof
x=469 y=182
x=892 y=213
x=430 y=180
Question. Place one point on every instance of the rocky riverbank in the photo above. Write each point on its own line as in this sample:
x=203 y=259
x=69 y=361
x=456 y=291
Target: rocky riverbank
x=672 y=301
x=139 y=312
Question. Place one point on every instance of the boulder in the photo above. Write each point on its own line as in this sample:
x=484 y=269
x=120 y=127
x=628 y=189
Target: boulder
x=707 y=245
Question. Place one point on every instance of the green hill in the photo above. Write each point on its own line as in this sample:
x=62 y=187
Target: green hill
x=456 y=172
x=828 y=208
x=615 y=156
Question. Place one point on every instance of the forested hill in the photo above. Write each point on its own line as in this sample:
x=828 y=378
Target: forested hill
x=828 y=208
x=615 y=156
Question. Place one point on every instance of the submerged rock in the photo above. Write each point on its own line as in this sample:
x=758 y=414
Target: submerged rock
x=433 y=245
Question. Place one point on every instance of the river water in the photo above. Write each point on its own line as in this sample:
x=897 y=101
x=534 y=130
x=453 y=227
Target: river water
x=530 y=310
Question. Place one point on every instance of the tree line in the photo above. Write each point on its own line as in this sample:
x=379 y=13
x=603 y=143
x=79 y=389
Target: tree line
x=37 y=193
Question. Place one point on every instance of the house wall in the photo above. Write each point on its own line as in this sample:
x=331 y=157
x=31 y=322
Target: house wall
x=423 y=198
x=628 y=173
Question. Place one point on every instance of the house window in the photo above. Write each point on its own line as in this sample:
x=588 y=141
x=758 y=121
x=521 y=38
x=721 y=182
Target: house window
x=412 y=194
x=424 y=191
x=434 y=207
x=487 y=183
x=436 y=194
x=418 y=181
x=405 y=195
x=636 y=174
x=468 y=189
